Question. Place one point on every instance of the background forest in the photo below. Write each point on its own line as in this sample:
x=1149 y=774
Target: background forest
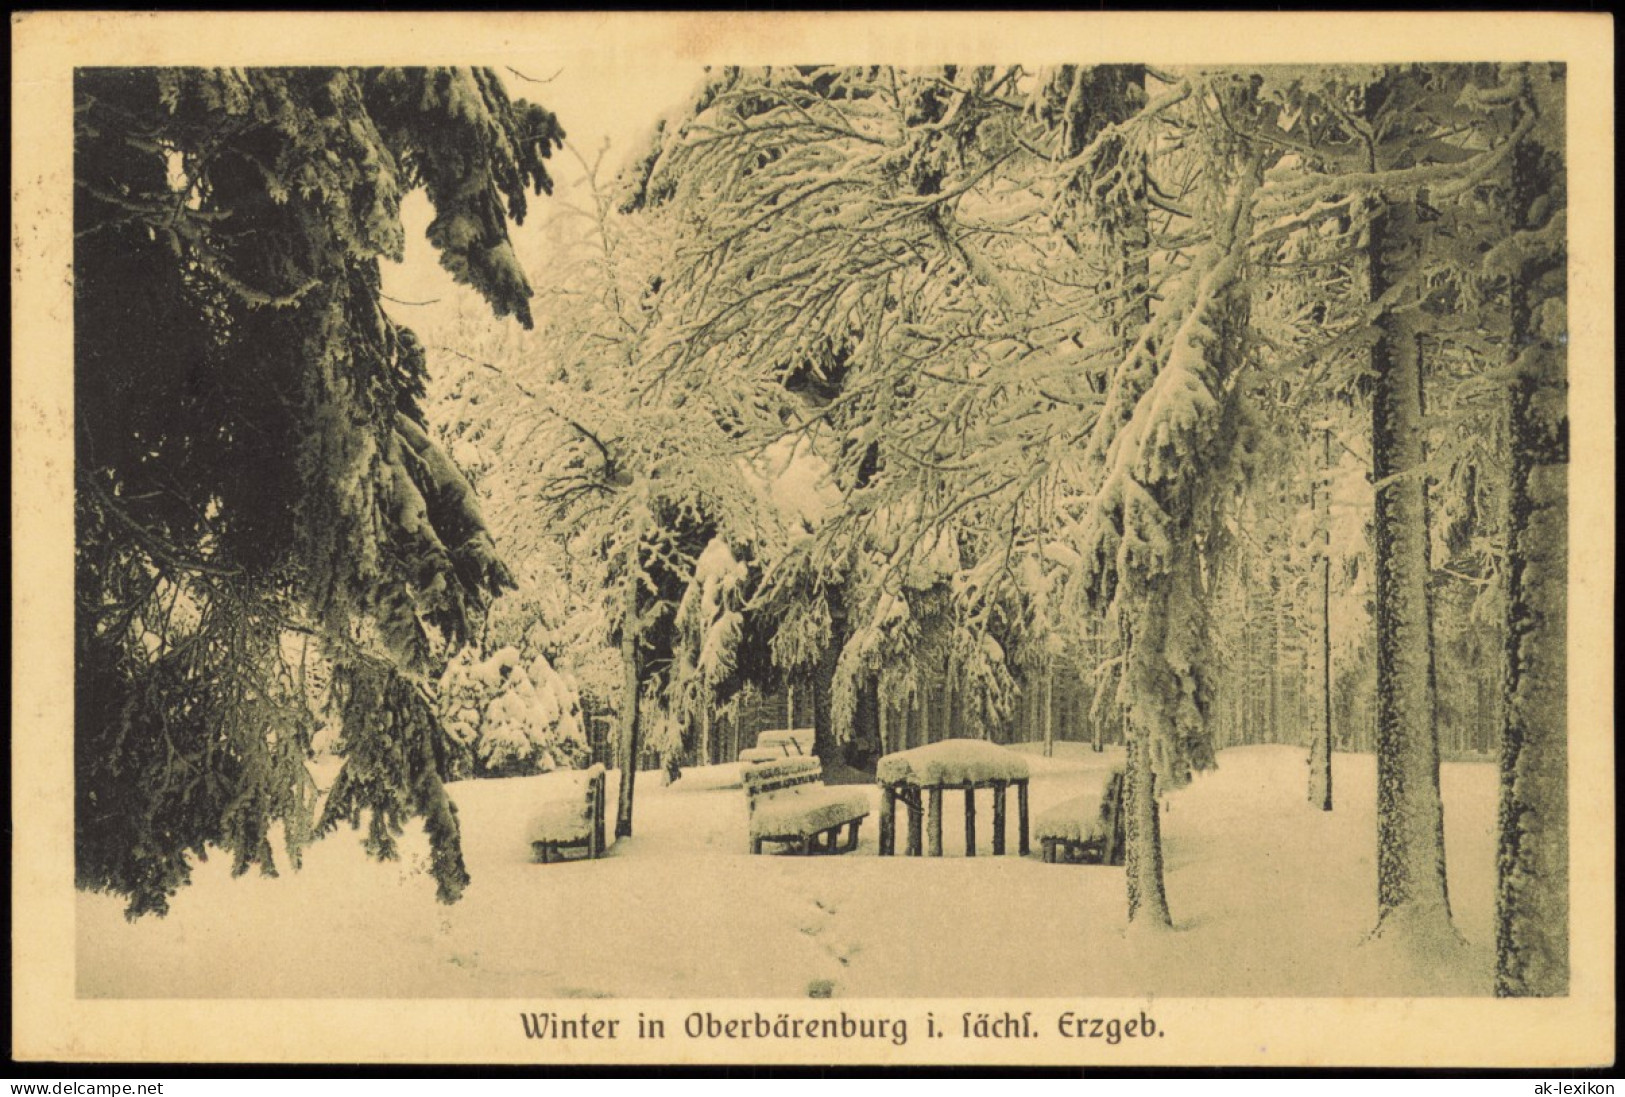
x=1165 y=409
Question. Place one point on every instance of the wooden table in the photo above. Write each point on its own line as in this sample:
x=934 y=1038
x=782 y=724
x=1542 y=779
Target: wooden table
x=919 y=777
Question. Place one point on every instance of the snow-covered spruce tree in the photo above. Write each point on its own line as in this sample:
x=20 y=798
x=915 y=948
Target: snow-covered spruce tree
x=1409 y=154
x=613 y=469
x=709 y=625
x=1156 y=471
x=825 y=307
x=508 y=716
x=1423 y=114
x=1532 y=877
x=251 y=458
x=1410 y=814
x=911 y=219
x=1302 y=396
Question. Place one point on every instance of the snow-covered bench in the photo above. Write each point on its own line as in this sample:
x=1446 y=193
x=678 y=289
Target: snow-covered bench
x=773 y=745
x=791 y=806
x=572 y=822
x=1087 y=828
x=790 y=740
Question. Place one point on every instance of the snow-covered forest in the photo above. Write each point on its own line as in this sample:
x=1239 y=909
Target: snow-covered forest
x=1205 y=424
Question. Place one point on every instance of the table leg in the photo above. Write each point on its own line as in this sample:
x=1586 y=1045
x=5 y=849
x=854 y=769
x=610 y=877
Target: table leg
x=1021 y=811
x=916 y=811
x=998 y=819
x=970 y=820
x=888 y=820
x=933 y=823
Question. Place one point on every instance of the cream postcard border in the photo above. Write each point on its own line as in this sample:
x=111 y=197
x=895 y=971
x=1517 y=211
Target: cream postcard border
x=50 y=1023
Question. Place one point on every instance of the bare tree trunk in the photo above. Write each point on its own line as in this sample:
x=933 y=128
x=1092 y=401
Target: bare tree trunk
x=1049 y=724
x=1097 y=724
x=1410 y=814
x=1274 y=693
x=628 y=742
x=823 y=690
x=1320 y=751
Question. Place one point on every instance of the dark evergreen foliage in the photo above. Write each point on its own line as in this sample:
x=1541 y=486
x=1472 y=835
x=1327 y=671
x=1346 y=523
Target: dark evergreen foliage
x=254 y=484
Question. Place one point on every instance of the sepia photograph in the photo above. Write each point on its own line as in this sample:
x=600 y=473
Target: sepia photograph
x=761 y=547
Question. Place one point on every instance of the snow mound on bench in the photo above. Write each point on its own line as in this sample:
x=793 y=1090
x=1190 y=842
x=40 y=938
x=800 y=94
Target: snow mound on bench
x=1077 y=819
x=1074 y=820
x=804 y=810
x=952 y=762
x=565 y=819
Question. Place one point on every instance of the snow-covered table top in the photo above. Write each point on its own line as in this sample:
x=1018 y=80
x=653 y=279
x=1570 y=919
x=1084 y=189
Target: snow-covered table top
x=952 y=762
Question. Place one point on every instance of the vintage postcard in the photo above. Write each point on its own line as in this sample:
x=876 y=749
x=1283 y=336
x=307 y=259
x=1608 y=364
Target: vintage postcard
x=885 y=539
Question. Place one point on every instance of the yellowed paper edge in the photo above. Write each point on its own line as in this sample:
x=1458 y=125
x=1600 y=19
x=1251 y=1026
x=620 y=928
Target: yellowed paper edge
x=49 y=1022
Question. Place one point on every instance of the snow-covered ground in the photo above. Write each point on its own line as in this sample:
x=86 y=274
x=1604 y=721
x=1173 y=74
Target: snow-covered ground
x=1270 y=898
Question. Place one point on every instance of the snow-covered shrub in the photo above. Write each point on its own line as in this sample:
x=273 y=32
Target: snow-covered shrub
x=509 y=717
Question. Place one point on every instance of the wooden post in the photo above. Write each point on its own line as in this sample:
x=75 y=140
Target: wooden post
x=595 y=837
x=1112 y=853
x=933 y=823
x=970 y=819
x=912 y=803
x=888 y=820
x=998 y=818
x=1021 y=812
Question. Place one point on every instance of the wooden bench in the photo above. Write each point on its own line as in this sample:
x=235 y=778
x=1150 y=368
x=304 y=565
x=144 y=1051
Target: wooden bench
x=792 y=741
x=791 y=806
x=773 y=745
x=575 y=822
x=1086 y=829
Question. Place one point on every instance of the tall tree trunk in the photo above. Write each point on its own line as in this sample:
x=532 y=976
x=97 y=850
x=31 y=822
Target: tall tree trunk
x=823 y=691
x=1094 y=99
x=1320 y=751
x=865 y=744
x=1048 y=710
x=705 y=758
x=1274 y=671
x=629 y=741
x=1532 y=879
x=1147 y=897
x=1097 y=723
x=1410 y=813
